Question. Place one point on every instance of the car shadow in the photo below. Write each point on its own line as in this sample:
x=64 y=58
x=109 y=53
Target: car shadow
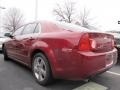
x=118 y=61
x=58 y=84
x=65 y=85
x=1 y=52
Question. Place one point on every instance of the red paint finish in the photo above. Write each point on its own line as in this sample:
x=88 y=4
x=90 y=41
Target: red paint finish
x=71 y=54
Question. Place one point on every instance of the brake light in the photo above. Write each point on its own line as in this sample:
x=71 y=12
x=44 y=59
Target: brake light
x=84 y=44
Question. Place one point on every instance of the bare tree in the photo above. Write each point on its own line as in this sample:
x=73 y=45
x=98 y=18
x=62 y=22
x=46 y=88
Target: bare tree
x=13 y=19
x=65 y=12
x=85 y=20
x=68 y=13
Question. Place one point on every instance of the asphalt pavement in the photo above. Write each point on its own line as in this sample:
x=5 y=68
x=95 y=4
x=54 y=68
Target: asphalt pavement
x=14 y=76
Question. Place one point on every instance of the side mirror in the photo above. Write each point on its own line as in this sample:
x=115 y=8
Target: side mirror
x=8 y=35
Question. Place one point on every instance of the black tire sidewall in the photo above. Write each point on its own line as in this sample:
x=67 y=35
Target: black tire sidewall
x=6 y=58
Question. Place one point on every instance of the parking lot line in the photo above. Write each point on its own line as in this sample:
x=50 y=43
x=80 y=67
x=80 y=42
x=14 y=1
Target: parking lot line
x=91 y=86
x=114 y=73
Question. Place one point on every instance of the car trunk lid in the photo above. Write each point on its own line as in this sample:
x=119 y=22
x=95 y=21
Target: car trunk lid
x=103 y=42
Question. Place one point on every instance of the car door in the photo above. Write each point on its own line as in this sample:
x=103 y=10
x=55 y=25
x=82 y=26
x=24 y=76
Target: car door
x=11 y=45
x=25 y=42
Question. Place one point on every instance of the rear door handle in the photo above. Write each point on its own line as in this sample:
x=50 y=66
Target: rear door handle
x=31 y=38
x=27 y=39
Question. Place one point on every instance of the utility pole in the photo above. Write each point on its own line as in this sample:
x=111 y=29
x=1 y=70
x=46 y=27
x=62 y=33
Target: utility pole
x=0 y=16
x=36 y=9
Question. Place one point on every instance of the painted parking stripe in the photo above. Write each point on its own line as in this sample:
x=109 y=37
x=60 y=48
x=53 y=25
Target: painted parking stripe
x=118 y=45
x=91 y=86
x=114 y=73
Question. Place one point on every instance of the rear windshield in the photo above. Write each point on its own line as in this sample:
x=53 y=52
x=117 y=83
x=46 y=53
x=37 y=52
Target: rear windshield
x=71 y=27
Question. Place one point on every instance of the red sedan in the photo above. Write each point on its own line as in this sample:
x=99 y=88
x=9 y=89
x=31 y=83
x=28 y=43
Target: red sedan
x=59 y=50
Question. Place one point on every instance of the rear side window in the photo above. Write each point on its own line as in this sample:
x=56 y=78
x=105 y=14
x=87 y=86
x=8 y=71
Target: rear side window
x=18 y=31
x=37 y=28
x=29 y=29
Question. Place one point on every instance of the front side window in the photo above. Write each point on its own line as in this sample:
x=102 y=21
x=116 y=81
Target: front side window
x=18 y=31
x=29 y=29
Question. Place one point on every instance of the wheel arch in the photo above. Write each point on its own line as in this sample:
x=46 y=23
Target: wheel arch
x=3 y=47
x=37 y=51
x=48 y=56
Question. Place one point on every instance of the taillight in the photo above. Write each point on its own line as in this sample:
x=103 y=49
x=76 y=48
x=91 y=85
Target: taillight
x=84 y=44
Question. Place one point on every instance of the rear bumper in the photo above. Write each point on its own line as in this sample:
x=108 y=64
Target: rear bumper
x=85 y=64
x=95 y=63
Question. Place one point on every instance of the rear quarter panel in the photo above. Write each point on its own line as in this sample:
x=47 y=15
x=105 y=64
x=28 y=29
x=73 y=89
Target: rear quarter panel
x=59 y=48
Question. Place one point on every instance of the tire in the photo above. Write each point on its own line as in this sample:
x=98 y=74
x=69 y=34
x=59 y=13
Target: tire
x=6 y=58
x=41 y=69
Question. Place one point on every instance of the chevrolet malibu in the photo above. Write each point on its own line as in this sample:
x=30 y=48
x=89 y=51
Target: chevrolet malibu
x=59 y=50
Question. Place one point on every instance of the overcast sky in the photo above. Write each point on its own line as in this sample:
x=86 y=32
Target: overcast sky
x=106 y=13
